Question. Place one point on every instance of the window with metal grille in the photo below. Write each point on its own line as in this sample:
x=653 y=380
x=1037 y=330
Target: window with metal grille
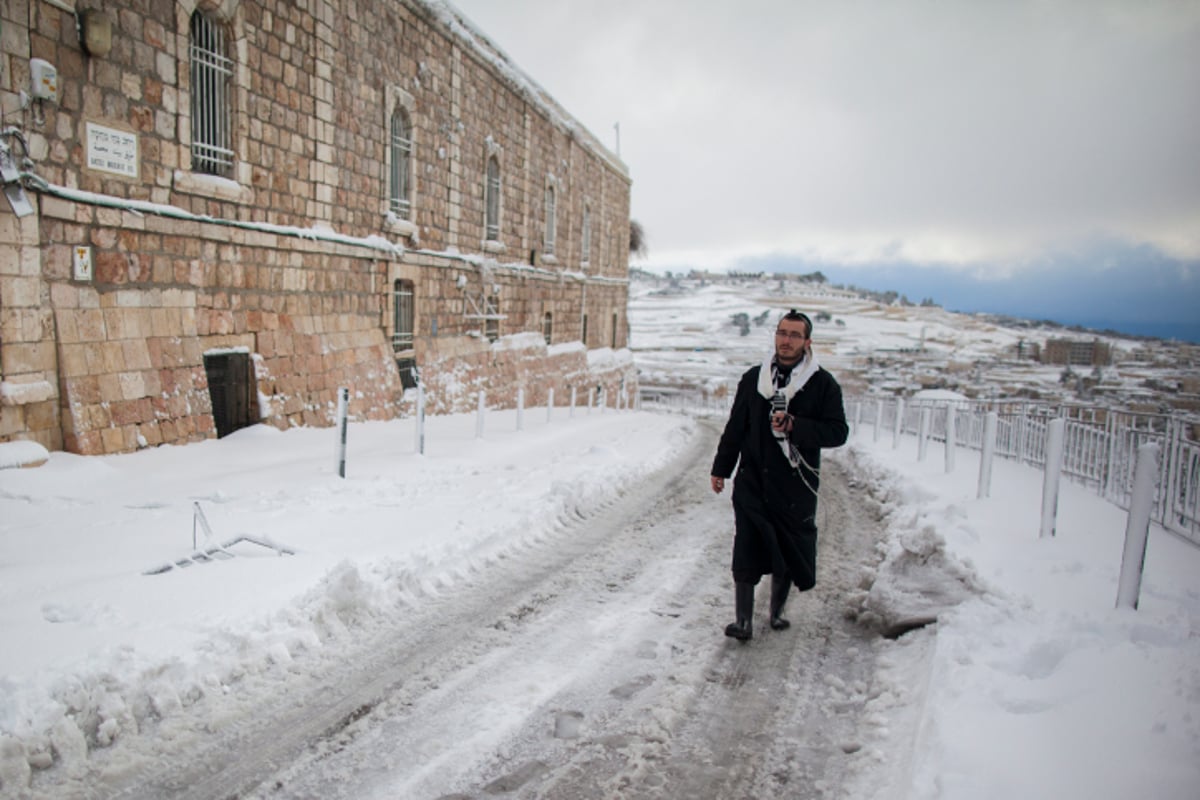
x=583 y=335
x=586 y=237
x=401 y=203
x=614 y=331
x=548 y=326
x=404 y=315
x=211 y=71
x=492 y=199
x=550 y=219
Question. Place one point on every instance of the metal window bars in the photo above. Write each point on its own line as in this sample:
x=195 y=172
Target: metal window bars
x=585 y=236
x=551 y=232
x=405 y=316
x=402 y=148
x=211 y=71
x=492 y=200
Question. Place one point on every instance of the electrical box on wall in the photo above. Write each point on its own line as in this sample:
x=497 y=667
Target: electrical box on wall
x=43 y=80
x=83 y=262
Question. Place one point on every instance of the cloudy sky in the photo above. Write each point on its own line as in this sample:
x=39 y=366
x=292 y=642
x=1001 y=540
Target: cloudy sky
x=994 y=156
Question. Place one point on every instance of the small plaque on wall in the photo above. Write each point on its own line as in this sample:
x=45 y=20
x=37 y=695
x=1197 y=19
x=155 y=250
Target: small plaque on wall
x=82 y=262
x=112 y=150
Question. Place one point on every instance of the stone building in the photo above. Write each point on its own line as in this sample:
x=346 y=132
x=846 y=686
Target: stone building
x=227 y=210
x=1077 y=352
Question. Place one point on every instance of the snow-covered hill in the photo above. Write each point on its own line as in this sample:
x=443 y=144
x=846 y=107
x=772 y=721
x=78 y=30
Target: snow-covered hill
x=704 y=332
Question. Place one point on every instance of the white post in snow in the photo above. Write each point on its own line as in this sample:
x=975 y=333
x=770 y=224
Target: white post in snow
x=923 y=434
x=987 y=454
x=951 y=436
x=1110 y=472
x=420 y=418
x=1137 y=529
x=1022 y=428
x=602 y=400
x=857 y=414
x=549 y=404
x=898 y=424
x=1056 y=431
x=591 y=399
x=479 y=417
x=521 y=408
x=878 y=418
x=571 y=413
x=342 y=421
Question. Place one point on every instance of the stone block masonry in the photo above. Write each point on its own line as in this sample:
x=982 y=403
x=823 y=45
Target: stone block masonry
x=351 y=241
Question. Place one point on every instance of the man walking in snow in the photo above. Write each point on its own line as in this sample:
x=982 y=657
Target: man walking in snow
x=784 y=412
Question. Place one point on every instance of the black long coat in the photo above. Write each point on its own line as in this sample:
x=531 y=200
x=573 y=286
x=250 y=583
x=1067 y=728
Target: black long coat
x=775 y=505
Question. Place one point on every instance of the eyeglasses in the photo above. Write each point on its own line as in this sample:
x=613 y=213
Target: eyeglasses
x=795 y=337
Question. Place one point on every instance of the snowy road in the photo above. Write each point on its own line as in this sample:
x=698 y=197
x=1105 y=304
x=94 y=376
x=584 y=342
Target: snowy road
x=590 y=665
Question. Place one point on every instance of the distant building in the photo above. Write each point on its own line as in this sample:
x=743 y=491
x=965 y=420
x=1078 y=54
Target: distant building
x=1077 y=352
x=232 y=209
x=1025 y=350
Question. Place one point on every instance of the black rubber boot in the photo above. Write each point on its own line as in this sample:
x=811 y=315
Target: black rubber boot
x=780 y=587
x=743 y=595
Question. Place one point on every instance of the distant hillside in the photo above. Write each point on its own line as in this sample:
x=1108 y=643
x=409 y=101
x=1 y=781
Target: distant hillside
x=891 y=297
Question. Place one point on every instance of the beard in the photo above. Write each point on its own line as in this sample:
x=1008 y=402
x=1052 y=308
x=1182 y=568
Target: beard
x=793 y=355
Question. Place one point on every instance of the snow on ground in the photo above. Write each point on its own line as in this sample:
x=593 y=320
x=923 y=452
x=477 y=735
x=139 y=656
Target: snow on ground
x=88 y=636
x=1038 y=687
x=1031 y=684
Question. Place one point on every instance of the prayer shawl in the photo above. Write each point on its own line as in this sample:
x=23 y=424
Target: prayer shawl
x=768 y=377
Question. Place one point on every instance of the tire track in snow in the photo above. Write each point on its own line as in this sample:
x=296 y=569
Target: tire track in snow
x=590 y=664
x=278 y=720
x=652 y=701
x=779 y=716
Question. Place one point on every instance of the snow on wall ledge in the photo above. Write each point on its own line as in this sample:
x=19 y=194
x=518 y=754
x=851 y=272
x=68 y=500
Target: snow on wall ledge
x=19 y=394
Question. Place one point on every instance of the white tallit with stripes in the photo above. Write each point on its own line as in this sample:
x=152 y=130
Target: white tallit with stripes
x=768 y=378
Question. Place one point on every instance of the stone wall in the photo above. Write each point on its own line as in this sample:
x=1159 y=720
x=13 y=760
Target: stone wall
x=524 y=364
x=294 y=257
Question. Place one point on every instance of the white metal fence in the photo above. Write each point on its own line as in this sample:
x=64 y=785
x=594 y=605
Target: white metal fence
x=1100 y=449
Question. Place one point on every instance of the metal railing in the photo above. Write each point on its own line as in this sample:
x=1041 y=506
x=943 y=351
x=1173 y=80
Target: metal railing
x=1100 y=448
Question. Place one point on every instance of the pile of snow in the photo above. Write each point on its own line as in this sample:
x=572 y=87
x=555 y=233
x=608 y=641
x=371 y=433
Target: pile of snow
x=22 y=454
x=95 y=648
x=1027 y=681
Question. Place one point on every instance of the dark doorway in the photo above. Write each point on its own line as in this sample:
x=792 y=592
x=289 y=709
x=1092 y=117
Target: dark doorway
x=231 y=388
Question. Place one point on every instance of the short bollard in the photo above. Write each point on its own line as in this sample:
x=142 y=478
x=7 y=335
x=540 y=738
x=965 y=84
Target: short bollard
x=342 y=423
x=1056 y=431
x=1137 y=530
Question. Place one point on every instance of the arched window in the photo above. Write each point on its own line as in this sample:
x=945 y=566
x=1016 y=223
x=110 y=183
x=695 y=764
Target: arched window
x=492 y=199
x=211 y=73
x=401 y=201
x=550 y=221
x=585 y=238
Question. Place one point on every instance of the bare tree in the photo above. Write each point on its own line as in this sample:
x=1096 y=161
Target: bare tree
x=637 y=239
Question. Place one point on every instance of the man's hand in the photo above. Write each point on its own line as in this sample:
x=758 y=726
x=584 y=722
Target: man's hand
x=717 y=484
x=781 y=422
